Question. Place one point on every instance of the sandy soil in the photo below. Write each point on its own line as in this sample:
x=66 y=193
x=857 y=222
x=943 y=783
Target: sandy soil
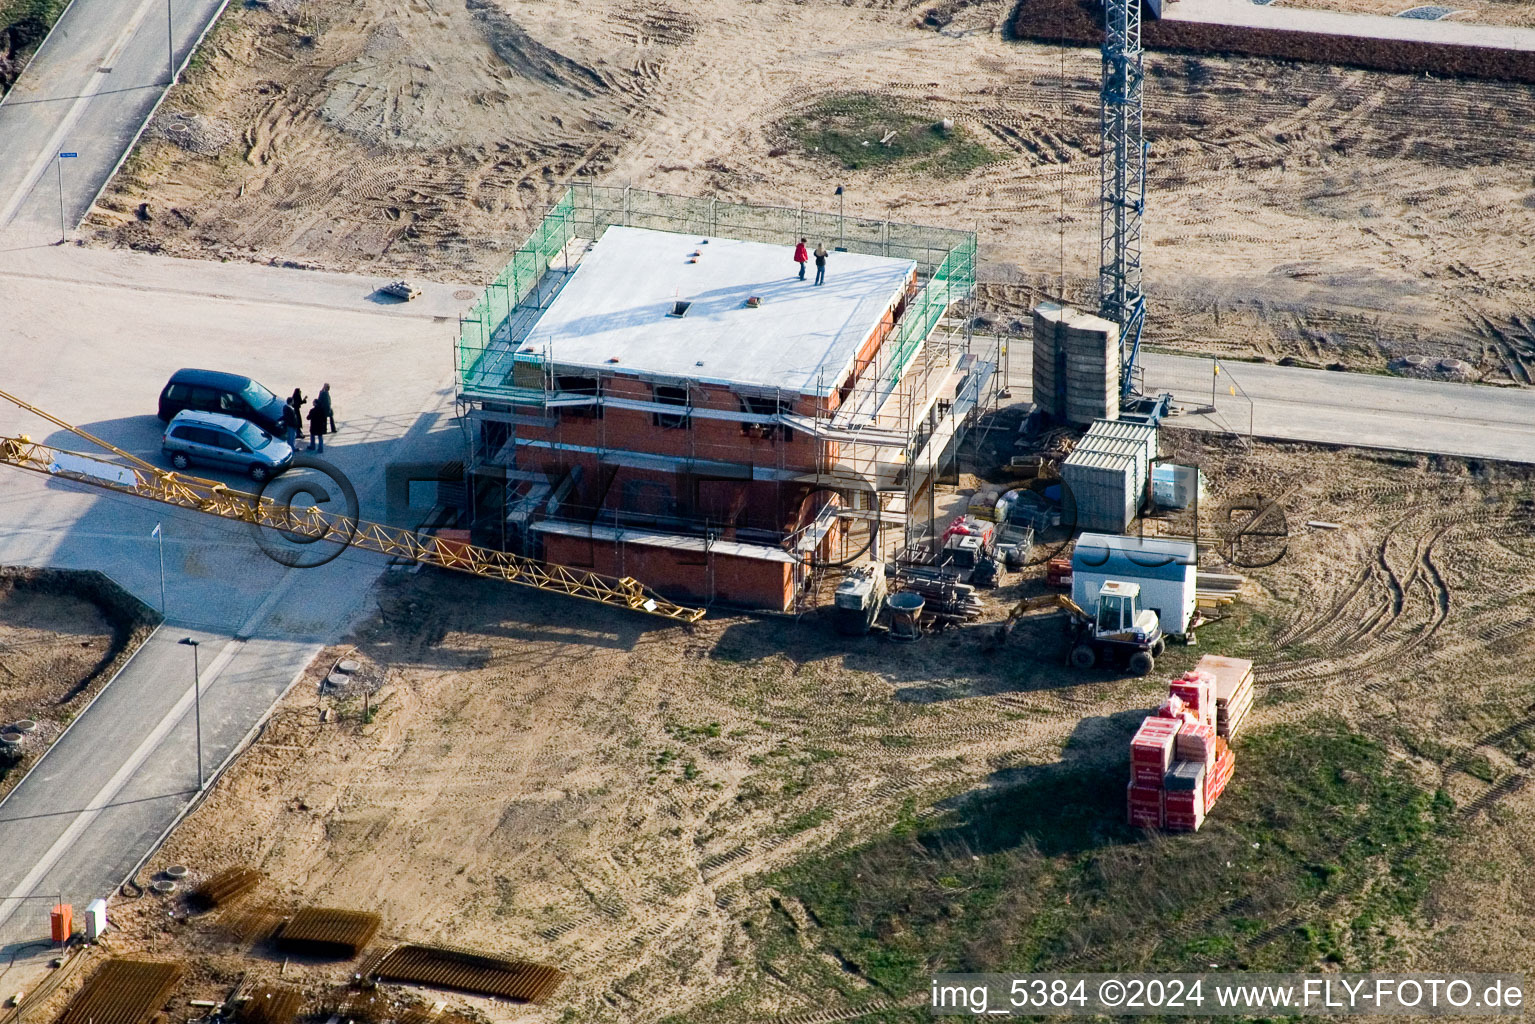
x=1315 y=212
x=577 y=787
x=54 y=648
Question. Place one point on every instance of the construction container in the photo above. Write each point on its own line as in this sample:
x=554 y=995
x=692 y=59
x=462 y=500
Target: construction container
x=1144 y=805
x=1119 y=436
x=1104 y=489
x=1164 y=567
x=95 y=919
x=61 y=921
x=1143 y=434
x=1151 y=751
x=1102 y=445
x=1233 y=690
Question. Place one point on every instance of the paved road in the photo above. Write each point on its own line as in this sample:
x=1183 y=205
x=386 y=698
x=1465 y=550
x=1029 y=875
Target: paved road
x=88 y=91
x=91 y=337
x=1337 y=23
x=1336 y=408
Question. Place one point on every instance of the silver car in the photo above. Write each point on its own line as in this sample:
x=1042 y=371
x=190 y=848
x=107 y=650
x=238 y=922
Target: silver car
x=213 y=439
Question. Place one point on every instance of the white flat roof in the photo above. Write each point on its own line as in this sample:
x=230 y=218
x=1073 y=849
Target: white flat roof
x=803 y=338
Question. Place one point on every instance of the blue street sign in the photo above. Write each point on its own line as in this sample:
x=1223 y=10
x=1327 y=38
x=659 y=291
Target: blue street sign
x=68 y=156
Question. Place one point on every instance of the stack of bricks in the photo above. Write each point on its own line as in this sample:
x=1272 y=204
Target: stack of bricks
x=1180 y=763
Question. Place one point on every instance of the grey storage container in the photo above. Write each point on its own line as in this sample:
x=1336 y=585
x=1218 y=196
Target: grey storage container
x=1104 y=488
x=1144 y=434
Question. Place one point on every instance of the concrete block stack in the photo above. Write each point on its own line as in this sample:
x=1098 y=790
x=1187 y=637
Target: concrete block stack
x=1180 y=761
x=1076 y=365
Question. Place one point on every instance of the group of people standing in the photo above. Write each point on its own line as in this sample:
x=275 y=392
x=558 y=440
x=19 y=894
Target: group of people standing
x=802 y=256
x=321 y=417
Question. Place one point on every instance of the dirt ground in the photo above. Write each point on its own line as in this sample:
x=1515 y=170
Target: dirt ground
x=57 y=649
x=1324 y=214
x=578 y=787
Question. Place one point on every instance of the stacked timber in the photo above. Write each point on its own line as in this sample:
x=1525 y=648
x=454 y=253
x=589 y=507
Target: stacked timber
x=1233 y=690
x=1217 y=588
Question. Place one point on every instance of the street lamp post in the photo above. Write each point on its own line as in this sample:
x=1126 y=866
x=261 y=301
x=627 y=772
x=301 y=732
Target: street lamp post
x=841 y=224
x=159 y=535
x=197 y=703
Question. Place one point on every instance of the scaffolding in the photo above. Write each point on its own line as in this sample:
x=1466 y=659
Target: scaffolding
x=879 y=440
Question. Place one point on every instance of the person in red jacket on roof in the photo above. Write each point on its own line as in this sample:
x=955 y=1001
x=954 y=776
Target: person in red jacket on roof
x=801 y=256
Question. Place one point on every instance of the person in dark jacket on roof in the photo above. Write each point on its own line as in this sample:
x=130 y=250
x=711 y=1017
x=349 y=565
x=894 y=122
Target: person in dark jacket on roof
x=820 y=264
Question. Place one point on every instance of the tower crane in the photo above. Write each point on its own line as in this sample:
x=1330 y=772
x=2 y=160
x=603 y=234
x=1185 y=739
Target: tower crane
x=140 y=479
x=1122 y=183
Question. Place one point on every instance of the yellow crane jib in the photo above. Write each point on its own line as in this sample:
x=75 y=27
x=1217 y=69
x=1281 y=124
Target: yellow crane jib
x=143 y=480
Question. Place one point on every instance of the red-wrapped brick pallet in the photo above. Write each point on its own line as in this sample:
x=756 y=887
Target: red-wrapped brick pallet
x=1151 y=751
x=1225 y=764
x=1144 y=804
x=1184 y=804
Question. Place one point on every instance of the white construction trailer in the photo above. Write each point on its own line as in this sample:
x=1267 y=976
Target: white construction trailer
x=1165 y=568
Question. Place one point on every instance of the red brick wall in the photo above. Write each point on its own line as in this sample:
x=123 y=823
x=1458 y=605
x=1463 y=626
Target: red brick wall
x=721 y=440
x=681 y=575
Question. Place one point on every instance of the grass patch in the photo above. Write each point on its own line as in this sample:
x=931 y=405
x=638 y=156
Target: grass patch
x=1479 y=767
x=807 y=821
x=27 y=23
x=861 y=130
x=1245 y=631
x=1322 y=846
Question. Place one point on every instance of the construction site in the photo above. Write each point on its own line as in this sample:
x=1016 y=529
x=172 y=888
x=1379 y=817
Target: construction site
x=645 y=393
x=970 y=487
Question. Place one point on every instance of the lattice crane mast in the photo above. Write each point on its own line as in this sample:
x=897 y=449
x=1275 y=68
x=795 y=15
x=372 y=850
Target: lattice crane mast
x=142 y=480
x=1122 y=182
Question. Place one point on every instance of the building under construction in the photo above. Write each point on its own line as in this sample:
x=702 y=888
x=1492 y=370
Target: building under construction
x=650 y=390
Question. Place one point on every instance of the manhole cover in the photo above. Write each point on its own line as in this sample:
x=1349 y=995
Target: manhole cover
x=349 y=666
x=164 y=886
x=337 y=679
x=176 y=871
x=178 y=127
x=463 y=293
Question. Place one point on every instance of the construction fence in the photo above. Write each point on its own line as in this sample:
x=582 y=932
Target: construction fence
x=945 y=259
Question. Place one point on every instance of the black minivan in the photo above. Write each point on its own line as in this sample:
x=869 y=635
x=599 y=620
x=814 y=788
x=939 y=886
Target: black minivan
x=227 y=393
